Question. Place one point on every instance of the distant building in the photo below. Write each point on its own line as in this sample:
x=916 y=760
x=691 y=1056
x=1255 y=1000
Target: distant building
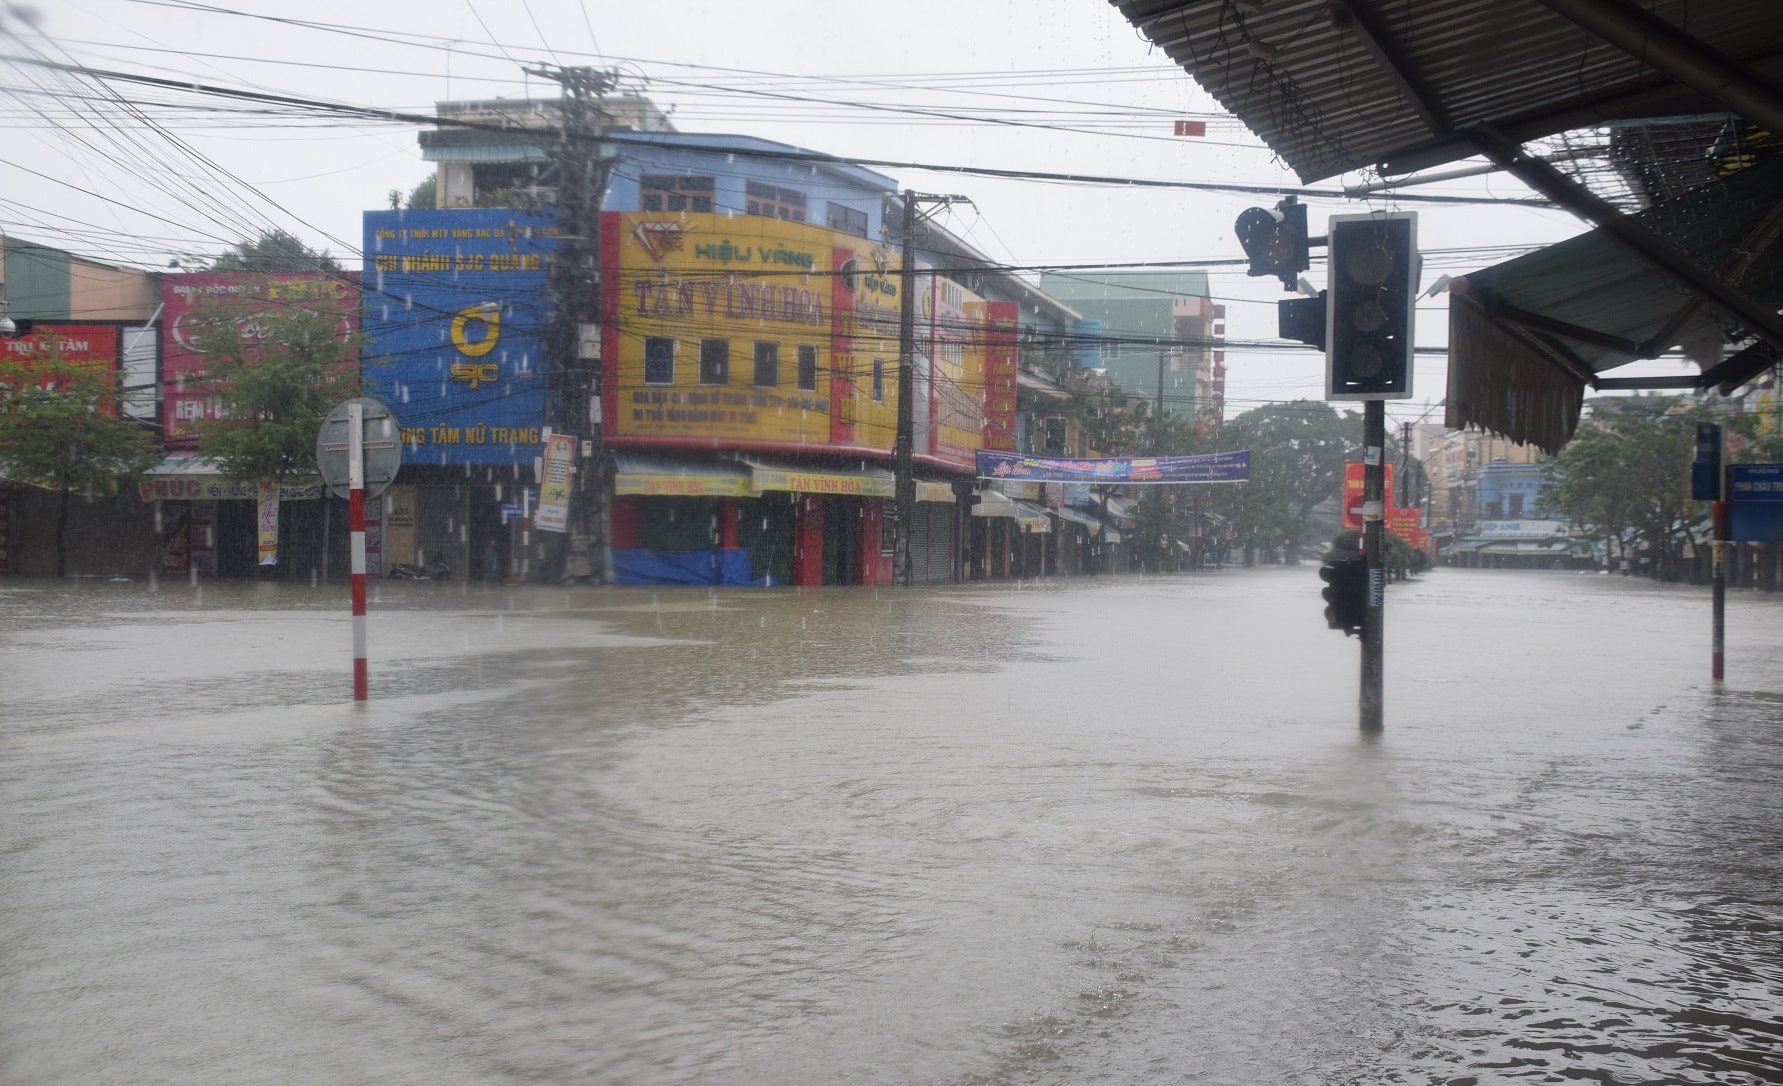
x=1155 y=333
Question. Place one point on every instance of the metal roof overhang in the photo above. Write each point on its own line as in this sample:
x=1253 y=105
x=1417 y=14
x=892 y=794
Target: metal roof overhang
x=1353 y=84
x=1526 y=337
x=1339 y=86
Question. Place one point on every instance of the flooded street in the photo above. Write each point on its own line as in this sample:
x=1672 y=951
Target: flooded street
x=1091 y=831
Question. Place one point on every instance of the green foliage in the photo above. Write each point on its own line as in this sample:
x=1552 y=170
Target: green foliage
x=274 y=251
x=275 y=372
x=423 y=195
x=1625 y=476
x=58 y=432
x=1399 y=557
x=1298 y=451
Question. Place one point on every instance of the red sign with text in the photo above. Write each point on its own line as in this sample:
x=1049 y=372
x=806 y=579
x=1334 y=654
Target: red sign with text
x=92 y=347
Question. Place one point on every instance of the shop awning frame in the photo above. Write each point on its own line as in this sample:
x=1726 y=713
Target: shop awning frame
x=643 y=475
x=862 y=482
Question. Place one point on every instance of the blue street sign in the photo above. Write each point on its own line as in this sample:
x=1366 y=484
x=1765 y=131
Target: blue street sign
x=1757 y=483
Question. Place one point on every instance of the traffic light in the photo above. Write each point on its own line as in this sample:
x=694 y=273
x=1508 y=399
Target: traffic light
x=1346 y=594
x=1275 y=240
x=1369 y=313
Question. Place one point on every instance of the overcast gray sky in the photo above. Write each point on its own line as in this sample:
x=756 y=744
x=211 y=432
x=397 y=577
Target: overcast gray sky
x=1042 y=85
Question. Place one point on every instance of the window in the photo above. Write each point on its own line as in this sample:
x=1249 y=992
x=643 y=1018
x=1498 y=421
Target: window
x=1111 y=348
x=715 y=361
x=848 y=220
x=879 y=379
x=659 y=360
x=808 y=368
x=767 y=365
x=774 y=201
x=1516 y=505
x=672 y=192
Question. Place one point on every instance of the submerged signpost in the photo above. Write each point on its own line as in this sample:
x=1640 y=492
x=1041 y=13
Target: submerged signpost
x=357 y=449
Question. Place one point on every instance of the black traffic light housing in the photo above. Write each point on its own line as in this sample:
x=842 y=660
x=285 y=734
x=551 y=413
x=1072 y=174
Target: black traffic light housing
x=1346 y=594
x=1275 y=240
x=1370 y=306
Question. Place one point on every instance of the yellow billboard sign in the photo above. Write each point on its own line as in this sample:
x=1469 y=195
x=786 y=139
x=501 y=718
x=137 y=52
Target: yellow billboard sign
x=729 y=327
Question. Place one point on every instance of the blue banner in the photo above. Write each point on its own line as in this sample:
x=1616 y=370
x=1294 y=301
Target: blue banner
x=455 y=317
x=1224 y=467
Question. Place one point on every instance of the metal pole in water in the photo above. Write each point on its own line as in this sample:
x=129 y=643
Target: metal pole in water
x=1718 y=583
x=1374 y=472
x=356 y=524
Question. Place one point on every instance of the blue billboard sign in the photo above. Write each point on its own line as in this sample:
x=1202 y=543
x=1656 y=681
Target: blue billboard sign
x=455 y=317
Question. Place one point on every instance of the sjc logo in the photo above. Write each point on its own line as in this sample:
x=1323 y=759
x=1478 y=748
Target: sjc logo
x=486 y=318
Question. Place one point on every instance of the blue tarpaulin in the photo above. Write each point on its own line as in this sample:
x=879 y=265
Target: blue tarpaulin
x=682 y=567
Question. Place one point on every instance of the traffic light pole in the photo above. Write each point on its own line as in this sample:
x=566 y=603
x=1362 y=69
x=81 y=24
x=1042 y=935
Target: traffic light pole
x=1374 y=471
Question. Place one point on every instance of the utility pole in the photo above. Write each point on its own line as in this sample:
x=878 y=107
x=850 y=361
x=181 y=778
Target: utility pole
x=904 y=445
x=573 y=389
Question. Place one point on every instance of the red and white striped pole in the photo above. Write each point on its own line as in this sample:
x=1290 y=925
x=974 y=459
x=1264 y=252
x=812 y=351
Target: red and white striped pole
x=356 y=523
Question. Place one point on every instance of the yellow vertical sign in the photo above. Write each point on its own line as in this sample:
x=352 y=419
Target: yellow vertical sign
x=554 y=485
x=268 y=520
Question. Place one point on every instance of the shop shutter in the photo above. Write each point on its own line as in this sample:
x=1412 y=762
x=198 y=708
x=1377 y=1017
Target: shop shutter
x=941 y=542
x=919 y=544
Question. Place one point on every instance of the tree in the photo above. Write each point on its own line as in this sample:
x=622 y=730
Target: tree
x=275 y=373
x=274 y=251
x=59 y=431
x=1298 y=451
x=422 y=196
x=1626 y=476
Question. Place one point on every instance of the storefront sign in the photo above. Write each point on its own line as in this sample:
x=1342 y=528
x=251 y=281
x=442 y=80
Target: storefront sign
x=1000 y=357
x=817 y=482
x=455 y=328
x=1224 y=467
x=1522 y=529
x=185 y=400
x=83 y=346
x=553 y=512
x=748 y=328
x=210 y=488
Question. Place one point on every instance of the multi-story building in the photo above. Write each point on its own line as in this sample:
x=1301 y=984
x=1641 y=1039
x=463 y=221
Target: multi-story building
x=1485 y=499
x=1157 y=334
x=748 y=350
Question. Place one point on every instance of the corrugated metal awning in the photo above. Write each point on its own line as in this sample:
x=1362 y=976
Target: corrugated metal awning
x=1527 y=336
x=1031 y=517
x=1334 y=87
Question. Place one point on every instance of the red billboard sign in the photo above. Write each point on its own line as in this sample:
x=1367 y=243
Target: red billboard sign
x=1000 y=355
x=93 y=347
x=1400 y=520
x=182 y=363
